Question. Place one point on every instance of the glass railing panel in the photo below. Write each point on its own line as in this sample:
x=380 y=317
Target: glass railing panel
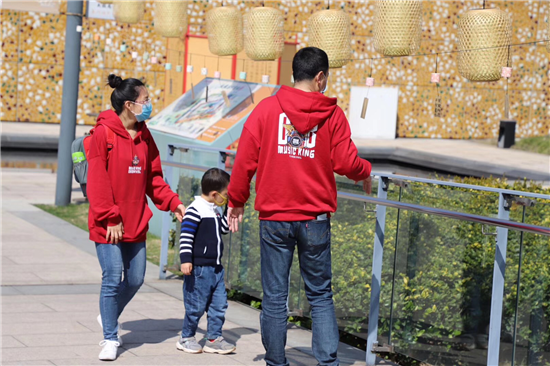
x=208 y=159
x=530 y=344
x=442 y=290
x=243 y=271
x=353 y=229
x=452 y=198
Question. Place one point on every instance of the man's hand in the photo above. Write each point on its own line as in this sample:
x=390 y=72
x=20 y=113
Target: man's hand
x=180 y=212
x=115 y=233
x=187 y=268
x=367 y=185
x=234 y=216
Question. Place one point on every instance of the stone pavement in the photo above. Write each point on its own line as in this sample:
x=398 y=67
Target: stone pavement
x=464 y=157
x=50 y=292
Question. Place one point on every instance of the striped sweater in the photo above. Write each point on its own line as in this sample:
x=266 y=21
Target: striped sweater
x=201 y=229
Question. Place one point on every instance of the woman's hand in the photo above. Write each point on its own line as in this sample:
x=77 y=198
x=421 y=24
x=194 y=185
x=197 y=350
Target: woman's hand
x=180 y=212
x=115 y=233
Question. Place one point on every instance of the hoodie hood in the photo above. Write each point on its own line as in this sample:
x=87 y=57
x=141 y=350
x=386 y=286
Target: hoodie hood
x=112 y=120
x=305 y=110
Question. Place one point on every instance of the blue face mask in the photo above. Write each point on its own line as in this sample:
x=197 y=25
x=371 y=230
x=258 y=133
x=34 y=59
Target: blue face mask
x=146 y=110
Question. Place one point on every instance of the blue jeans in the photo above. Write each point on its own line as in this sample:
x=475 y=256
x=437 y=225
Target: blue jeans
x=278 y=240
x=204 y=290
x=116 y=292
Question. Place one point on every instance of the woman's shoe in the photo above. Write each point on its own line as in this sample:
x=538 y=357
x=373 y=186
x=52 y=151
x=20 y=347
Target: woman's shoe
x=109 y=351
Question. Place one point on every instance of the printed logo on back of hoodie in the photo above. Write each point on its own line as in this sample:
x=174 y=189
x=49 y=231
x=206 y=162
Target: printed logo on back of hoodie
x=293 y=143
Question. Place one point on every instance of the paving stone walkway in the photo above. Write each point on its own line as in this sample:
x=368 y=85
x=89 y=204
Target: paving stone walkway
x=50 y=292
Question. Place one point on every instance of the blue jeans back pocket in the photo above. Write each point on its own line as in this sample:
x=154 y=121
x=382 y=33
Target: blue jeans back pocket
x=318 y=233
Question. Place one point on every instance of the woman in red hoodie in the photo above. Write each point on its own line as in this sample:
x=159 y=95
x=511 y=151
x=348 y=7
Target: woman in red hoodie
x=124 y=167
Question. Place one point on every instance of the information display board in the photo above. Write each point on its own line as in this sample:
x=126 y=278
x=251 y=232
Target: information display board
x=212 y=108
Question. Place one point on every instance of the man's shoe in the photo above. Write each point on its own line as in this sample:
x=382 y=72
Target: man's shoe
x=189 y=345
x=118 y=329
x=219 y=346
x=109 y=351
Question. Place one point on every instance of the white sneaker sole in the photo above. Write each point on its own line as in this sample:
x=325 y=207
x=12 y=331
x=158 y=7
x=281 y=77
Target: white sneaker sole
x=207 y=349
x=187 y=350
x=107 y=358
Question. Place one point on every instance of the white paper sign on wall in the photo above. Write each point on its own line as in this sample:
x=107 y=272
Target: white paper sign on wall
x=98 y=10
x=381 y=118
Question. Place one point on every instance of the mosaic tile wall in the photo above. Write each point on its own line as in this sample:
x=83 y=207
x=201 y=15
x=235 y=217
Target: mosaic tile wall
x=32 y=64
x=470 y=110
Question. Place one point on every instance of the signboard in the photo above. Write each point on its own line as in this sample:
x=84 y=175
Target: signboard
x=98 y=10
x=211 y=109
x=380 y=120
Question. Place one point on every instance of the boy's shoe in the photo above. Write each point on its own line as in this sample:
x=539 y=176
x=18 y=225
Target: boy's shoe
x=109 y=351
x=219 y=346
x=189 y=345
x=119 y=328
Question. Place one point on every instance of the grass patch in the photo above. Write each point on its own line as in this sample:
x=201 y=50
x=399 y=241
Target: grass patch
x=538 y=144
x=77 y=215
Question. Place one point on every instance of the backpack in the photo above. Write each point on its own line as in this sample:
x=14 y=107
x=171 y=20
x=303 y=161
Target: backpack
x=80 y=149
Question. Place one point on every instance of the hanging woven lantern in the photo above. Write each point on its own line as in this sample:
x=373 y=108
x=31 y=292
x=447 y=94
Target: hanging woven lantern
x=397 y=27
x=264 y=34
x=130 y=12
x=171 y=18
x=484 y=37
x=330 y=30
x=224 y=27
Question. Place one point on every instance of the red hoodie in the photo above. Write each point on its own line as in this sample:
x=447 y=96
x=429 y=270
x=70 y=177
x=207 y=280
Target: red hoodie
x=296 y=140
x=117 y=187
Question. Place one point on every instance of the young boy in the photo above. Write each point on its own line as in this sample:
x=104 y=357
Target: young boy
x=201 y=249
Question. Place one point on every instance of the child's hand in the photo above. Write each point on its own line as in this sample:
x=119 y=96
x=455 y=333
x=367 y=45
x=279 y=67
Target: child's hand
x=187 y=268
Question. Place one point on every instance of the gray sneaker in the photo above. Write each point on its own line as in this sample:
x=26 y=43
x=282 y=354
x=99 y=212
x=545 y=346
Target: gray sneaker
x=189 y=345
x=220 y=346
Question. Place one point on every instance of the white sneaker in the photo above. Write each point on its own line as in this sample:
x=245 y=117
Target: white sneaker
x=109 y=351
x=118 y=329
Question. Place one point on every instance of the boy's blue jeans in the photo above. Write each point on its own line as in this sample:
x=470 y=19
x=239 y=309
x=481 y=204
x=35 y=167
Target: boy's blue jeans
x=116 y=292
x=204 y=290
x=278 y=240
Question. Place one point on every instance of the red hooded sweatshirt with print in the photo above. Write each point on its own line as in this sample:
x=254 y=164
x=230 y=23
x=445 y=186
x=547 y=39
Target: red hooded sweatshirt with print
x=296 y=141
x=117 y=187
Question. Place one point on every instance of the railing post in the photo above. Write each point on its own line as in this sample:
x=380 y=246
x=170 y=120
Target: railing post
x=166 y=220
x=377 y=255
x=499 y=270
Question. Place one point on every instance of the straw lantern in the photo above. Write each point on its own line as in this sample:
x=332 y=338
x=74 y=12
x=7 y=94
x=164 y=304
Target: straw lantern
x=171 y=18
x=130 y=12
x=397 y=27
x=484 y=37
x=264 y=34
x=330 y=30
x=224 y=27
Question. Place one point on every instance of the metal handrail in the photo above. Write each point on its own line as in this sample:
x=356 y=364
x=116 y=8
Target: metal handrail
x=466 y=186
x=413 y=207
x=451 y=214
x=397 y=176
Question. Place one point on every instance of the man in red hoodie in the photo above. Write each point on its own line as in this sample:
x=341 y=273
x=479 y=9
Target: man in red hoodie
x=295 y=141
